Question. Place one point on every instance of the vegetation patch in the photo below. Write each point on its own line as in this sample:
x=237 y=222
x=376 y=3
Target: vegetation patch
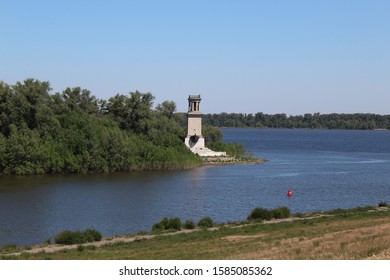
x=261 y=214
x=167 y=224
x=189 y=224
x=383 y=204
x=206 y=222
x=357 y=233
x=68 y=237
x=312 y=121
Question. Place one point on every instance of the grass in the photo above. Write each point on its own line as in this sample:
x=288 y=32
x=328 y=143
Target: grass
x=348 y=234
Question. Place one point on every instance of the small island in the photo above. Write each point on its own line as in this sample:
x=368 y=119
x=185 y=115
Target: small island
x=74 y=132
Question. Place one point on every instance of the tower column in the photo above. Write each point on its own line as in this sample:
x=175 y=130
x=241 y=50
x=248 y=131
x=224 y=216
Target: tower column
x=194 y=137
x=195 y=140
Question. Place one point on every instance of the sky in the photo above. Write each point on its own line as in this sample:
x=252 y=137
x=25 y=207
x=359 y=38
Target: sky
x=275 y=56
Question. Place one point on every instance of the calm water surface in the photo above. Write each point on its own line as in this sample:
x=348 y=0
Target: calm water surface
x=325 y=169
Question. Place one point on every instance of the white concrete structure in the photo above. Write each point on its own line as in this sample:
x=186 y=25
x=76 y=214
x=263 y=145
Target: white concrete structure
x=195 y=140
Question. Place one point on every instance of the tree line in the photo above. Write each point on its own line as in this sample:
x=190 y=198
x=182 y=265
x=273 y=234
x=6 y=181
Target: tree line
x=313 y=121
x=73 y=131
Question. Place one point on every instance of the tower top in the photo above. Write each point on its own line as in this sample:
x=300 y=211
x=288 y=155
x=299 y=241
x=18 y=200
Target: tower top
x=194 y=97
x=194 y=104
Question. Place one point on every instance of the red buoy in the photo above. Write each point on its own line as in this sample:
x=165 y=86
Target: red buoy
x=289 y=193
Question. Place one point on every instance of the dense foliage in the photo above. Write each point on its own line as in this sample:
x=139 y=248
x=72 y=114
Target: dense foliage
x=206 y=222
x=73 y=131
x=167 y=224
x=260 y=214
x=317 y=120
x=68 y=237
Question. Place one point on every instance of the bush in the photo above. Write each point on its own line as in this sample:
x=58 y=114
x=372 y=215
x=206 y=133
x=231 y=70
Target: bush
x=206 y=222
x=188 y=224
x=383 y=204
x=68 y=237
x=175 y=224
x=91 y=235
x=260 y=214
x=167 y=224
x=281 y=213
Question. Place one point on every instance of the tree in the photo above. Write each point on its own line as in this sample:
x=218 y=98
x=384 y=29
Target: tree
x=167 y=108
x=132 y=113
x=80 y=100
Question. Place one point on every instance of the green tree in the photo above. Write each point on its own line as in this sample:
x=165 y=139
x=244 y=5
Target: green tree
x=167 y=108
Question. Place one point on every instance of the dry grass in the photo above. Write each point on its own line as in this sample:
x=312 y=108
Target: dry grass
x=333 y=240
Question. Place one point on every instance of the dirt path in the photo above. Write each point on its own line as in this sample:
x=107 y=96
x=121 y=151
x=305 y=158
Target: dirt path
x=126 y=239
x=105 y=241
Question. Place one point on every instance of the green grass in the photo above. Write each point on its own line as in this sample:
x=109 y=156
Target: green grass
x=300 y=239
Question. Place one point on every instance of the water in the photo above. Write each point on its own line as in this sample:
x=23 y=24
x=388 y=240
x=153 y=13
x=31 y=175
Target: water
x=325 y=169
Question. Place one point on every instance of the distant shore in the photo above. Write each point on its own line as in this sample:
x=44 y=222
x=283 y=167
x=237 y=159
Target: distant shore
x=221 y=161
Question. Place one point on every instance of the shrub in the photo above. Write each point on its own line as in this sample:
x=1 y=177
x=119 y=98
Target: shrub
x=174 y=223
x=383 y=204
x=166 y=224
x=68 y=237
x=260 y=214
x=206 y=222
x=47 y=241
x=281 y=213
x=90 y=235
x=158 y=227
x=188 y=224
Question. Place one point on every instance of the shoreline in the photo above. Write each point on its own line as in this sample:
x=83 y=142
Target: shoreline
x=205 y=161
x=223 y=161
x=234 y=231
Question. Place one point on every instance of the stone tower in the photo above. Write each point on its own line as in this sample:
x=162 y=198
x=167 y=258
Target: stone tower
x=194 y=139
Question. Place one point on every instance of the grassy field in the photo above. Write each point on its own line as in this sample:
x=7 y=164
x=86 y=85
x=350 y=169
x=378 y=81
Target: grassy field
x=362 y=233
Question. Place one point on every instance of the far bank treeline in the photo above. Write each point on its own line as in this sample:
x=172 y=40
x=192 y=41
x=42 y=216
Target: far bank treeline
x=313 y=121
x=74 y=132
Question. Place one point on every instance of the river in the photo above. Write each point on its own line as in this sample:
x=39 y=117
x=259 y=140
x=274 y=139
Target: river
x=325 y=169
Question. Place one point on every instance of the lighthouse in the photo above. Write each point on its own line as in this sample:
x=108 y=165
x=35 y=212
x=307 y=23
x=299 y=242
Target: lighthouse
x=195 y=140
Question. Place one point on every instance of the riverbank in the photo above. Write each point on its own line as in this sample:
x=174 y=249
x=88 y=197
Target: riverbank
x=227 y=160
x=360 y=233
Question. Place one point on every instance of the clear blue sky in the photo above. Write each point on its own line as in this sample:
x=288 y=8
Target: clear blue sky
x=243 y=56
